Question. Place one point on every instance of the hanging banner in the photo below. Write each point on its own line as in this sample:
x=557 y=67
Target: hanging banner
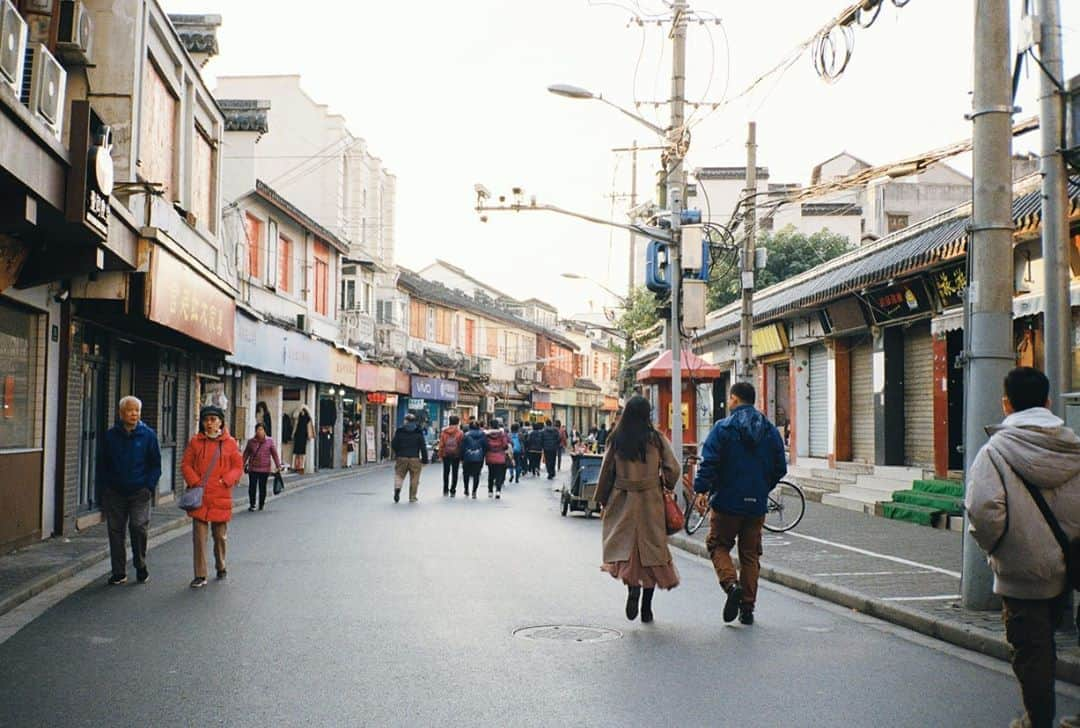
x=181 y=299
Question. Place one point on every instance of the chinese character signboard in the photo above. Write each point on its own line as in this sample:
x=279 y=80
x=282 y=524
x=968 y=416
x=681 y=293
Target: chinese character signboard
x=950 y=285
x=181 y=299
x=899 y=301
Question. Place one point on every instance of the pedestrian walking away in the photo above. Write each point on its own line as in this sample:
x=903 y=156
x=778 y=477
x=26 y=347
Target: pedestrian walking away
x=741 y=462
x=562 y=445
x=450 y=440
x=549 y=439
x=473 y=449
x=259 y=454
x=128 y=470
x=1030 y=456
x=517 y=447
x=634 y=473
x=601 y=437
x=535 y=445
x=212 y=460
x=498 y=457
x=410 y=454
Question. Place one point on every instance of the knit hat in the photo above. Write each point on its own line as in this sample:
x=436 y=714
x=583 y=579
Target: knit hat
x=211 y=410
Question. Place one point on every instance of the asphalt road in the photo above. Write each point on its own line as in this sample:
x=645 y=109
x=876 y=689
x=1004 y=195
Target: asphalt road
x=344 y=609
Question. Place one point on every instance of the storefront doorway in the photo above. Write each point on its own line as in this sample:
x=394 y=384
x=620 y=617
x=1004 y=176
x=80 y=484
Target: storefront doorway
x=954 y=346
x=93 y=414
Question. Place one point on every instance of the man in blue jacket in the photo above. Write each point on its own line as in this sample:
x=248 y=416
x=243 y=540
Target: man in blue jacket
x=128 y=470
x=742 y=460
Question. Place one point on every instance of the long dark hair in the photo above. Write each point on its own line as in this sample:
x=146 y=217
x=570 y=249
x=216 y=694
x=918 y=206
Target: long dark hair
x=634 y=432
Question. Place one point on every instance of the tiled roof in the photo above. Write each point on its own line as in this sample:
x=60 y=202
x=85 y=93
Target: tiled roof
x=438 y=293
x=913 y=249
x=273 y=197
x=587 y=384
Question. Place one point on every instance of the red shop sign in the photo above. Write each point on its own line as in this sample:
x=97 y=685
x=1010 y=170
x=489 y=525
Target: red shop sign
x=376 y=397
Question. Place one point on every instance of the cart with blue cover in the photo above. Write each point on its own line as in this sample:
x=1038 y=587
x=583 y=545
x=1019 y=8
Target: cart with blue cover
x=584 y=476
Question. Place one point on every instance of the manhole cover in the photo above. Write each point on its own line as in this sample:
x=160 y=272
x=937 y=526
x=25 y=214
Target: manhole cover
x=568 y=633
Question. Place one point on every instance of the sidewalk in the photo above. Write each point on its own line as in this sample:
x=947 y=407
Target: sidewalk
x=31 y=570
x=896 y=571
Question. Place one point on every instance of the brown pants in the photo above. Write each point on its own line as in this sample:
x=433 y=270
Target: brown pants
x=412 y=466
x=724 y=528
x=1029 y=628
x=198 y=537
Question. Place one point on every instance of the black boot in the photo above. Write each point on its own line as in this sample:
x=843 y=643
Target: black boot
x=633 y=594
x=646 y=605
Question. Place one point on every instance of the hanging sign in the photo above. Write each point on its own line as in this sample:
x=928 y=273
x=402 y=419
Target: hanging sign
x=900 y=301
x=950 y=284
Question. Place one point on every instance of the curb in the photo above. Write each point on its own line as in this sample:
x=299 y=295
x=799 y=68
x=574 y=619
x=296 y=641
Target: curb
x=37 y=586
x=969 y=638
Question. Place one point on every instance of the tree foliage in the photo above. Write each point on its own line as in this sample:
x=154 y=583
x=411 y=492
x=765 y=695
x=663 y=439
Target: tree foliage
x=639 y=315
x=790 y=253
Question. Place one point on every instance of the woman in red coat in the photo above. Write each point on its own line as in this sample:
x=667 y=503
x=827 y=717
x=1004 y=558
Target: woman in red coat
x=212 y=457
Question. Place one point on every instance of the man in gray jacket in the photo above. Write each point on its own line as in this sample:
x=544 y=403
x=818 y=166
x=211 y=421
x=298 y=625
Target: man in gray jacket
x=1031 y=445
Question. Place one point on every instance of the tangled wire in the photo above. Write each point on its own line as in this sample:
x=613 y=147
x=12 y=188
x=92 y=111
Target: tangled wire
x=833 y=45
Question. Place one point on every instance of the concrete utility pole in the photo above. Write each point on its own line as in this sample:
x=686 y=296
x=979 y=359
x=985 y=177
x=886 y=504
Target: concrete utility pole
x=746 y=280
x=675 y=200
x=988 y=308
x=1057 y=328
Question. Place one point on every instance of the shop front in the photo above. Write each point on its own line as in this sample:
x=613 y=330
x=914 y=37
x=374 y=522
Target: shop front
x=432 y=400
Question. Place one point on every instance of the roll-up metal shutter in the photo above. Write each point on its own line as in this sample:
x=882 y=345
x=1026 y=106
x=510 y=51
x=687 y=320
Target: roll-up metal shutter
x=819 y=402
x=919 y=396
x=862 y=400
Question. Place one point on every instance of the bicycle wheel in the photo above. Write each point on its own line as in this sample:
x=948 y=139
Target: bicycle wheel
x=693 y=518
x=787 y=504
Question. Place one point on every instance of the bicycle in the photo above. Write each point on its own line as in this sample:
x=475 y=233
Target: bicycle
x=786 y=506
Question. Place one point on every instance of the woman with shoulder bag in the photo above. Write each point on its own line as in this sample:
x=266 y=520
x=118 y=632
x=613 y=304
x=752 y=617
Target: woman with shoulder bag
x=212 y=462
x=637 y=468
x=258 y=454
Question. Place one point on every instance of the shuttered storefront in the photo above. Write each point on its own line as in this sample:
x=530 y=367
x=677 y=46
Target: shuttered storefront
x=862 y=400
x=819 y=402
x=919 y=396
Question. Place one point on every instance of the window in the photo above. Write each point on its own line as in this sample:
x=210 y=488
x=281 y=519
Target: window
x=348 y=295
x=492 y=342
x=417 y=319
x=285 y=254
x=157 y=131
x=470 y=336
x=272 y=238
x=443 y=321
x=322 y=278
x=369 y=298
x=203 y=178
x=253 y=233
x=896 y=221
x=429 y=331
x=22 y=344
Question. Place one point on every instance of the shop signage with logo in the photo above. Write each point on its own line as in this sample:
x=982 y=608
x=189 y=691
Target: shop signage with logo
x=181 y=299
x=416 y=404
x=90 y=179
x=900 y=301
x=443 y=390
x=341 y=367
x=270 y=348
x=949 y=285
x=376 y=397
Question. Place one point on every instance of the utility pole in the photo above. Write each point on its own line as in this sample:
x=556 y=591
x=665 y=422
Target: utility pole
x=633 y=203
x=746 y=280
x=1057 y=320
x=988 y=308
x=675 y=200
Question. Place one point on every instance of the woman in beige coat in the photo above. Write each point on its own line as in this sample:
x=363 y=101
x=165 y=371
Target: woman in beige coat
x=638 y=463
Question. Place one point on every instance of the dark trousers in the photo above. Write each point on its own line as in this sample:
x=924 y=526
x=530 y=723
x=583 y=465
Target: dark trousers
x=133 y=513
x=450 y=465
x=519 y=467
x=496 y=477
x=724 y=528
x=1029 y=628
x=549 y=460
x=472 y=472
x=257 y=481
x=534 y=463
x=558 y=459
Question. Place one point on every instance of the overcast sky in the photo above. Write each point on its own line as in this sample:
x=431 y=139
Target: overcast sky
x=451 y=94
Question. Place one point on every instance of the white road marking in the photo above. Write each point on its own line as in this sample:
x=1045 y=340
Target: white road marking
x=864 y=552
x=938 y=598
x=870 y=573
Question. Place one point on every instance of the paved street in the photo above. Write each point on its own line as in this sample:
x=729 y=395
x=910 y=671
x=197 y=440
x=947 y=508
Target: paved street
x=342 y=608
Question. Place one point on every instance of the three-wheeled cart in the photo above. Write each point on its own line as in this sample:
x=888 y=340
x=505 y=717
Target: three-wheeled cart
x=584 y=476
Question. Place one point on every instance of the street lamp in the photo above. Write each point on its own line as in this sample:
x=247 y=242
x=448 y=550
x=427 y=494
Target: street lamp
x=623 y=301
x=576 y=92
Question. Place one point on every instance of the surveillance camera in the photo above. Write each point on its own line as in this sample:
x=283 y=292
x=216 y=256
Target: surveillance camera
x=502 y=199
x=481 y=191
x=516 y=190
x=483 y=218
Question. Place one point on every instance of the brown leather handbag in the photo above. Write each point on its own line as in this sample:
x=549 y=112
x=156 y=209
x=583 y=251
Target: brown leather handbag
x=673 y=517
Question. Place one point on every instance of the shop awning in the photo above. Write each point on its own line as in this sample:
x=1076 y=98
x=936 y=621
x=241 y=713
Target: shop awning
x=692 y=366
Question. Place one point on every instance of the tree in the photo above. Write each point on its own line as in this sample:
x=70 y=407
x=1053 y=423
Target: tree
x=639 y=316
x=790 y=253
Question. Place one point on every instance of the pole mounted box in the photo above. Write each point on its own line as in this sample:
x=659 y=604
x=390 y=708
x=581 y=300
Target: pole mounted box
x=694 y=303
x=693 y=252
x=658 y=267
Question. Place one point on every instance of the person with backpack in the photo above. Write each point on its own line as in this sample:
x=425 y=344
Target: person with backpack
x=534 y=446
x=450 y=440
x=1030 y=462
x=498 y=457
x=473 y=448
x=549 y=439
x=517 y=447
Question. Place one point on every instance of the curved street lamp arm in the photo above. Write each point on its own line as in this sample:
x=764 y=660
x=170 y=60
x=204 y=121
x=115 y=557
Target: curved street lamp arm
x=653 y=233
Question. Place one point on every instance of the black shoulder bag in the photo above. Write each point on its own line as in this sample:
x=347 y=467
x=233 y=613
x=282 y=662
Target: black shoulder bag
x=1071 y=549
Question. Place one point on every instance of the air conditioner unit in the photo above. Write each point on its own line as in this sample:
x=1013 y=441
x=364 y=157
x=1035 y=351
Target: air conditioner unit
x=44 y=94
x=303 y=322
x=12 y=46
x=76 y=33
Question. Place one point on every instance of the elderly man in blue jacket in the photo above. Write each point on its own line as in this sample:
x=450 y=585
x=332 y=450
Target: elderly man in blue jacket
x=128 y=469
x=742 y=460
